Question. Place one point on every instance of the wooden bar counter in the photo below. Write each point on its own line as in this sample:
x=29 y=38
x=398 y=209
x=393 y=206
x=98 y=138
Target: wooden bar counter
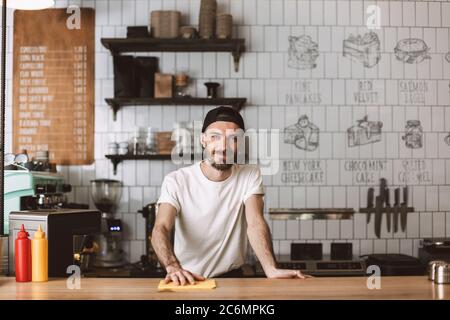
x=236 y=288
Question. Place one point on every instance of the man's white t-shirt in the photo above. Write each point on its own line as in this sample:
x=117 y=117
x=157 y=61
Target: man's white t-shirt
x=210 y=226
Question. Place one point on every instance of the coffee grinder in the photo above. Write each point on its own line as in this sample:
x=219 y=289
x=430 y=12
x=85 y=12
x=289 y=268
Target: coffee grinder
x=106 y=194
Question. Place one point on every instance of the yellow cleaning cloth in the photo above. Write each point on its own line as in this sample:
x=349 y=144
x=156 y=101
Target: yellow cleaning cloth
x=206 y=284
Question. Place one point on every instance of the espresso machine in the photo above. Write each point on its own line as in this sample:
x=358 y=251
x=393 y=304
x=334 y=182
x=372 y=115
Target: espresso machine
x=68 y=232
x=106 y=194
x=34 y=198
x=31 y=190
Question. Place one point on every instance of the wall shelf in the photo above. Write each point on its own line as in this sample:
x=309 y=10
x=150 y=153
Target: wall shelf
x=117 y=103
x=311 y=213
x=116 y=158
x=120 y=45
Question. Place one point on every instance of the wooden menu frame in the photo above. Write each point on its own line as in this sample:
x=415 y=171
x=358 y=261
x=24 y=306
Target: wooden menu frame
x=53 y=85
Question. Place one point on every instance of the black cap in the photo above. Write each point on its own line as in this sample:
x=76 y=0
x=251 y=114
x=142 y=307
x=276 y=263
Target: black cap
x=223 y=113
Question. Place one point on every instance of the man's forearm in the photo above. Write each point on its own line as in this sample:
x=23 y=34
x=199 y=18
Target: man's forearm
x=261 y=242
x=163 y=248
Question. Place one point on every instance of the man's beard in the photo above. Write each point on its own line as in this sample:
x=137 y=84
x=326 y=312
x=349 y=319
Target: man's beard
x=221 y=166
x=218 y=166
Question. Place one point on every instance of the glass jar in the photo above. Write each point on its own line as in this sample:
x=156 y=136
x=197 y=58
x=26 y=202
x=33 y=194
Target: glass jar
x=151 y=141
x=183 y=136
x=181 y=83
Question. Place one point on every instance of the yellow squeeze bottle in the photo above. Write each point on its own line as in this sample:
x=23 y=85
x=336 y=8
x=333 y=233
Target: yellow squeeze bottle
x=39 y=257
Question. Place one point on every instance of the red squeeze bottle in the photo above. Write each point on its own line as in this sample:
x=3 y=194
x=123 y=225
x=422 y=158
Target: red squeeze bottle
x=23 y=256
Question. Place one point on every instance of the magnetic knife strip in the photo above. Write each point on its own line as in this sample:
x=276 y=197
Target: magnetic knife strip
x=382 y=204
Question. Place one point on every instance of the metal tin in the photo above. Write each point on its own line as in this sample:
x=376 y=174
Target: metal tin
x=442 y=273
x=432 y=269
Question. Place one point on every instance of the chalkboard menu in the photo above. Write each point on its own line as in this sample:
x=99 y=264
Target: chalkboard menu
x=53 y=84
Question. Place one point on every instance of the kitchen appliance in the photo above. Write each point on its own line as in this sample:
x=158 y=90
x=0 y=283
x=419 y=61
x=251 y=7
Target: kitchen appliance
x=308 y=258
x=412 y=50
x=149 y=214
x=313 y=251
x=21 y=161
x=439 y=272
x=341 y=251
x=30 y=190
x=364 y=132
x=62 y=227
x=306 y=251
x=326 y=267
x=149 y=263
x=3 y=254
x=106 y=195
x=364 y=49
x=395 y=264
x=432 y=249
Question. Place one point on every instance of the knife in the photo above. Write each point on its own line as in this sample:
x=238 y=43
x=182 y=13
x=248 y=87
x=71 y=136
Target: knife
x=396 y=207
x=379 y=201
x=382 y=191
x=404 y=209
x=370 y=195
x=378 y=215
x=388 y=209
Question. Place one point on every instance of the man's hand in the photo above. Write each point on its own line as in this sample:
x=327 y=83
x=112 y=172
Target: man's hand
x=180 y=276
x=286 y=274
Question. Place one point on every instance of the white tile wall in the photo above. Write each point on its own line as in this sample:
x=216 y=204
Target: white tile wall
x=265 y=79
